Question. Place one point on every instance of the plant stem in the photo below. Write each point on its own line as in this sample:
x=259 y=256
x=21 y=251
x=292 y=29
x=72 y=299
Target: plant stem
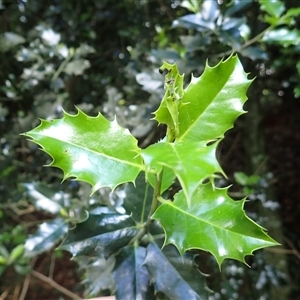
x=154 y=205
x=144 y=202
x=156 y=193
x=256 y=38
x=248 y=43
x=63 y=64
x=140 y=234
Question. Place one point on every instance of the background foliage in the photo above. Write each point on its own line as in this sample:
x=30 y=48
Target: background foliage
x=104 y=56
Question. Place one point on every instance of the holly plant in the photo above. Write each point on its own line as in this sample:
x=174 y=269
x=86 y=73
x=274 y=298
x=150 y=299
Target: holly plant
x=148 y=250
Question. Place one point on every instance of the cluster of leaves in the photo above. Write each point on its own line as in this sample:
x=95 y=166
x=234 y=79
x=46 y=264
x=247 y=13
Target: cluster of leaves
x=36 y=80
x=200 y=216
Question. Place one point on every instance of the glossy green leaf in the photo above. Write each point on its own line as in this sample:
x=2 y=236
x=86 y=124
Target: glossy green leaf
x=191 y=162
x=283 y=36
x=100 y=235
x=48 y=234
x=167 y=279
x=253 y=53
x=274 y=8
x=132 y=280
x=212 y=102
x=91 y=149
x=236 y=7
x=188 y=270
x=213 y=223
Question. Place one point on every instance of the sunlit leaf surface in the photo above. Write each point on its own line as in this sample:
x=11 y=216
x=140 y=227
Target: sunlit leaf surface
x=213 y=222
x=191 y=162
x=91 y=149
x=46 y=237
x=212 y=102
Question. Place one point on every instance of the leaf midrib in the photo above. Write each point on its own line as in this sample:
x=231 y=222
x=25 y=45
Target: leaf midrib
x=193 y=124
x=89 y=150
x=184 y=212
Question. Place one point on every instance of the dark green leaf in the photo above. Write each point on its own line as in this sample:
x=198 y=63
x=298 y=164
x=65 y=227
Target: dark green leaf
x=98 y=274
x=46 y=237
x=131 y=275
x=254 y=53
x=283 y=36
x=193 y=21
x=232 y=23
x=188 y=270
x=100 y=235
x=166 y=278
x=237 y=6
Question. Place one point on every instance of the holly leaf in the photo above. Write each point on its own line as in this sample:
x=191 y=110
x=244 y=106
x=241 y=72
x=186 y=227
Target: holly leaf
x=132 y=280
x=191 y=162
x=98 y=274
x=273 y=8
x=170 y=281
x=46 y=237
x=213 y=222
x=212 y=102
x=100 y=235
x=91 y=149
x=188 y=270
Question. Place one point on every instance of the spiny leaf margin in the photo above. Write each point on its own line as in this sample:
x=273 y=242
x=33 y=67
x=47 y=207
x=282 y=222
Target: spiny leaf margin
x=212 y=102
x=213 y=222
x=117 y=163
x=191 y=162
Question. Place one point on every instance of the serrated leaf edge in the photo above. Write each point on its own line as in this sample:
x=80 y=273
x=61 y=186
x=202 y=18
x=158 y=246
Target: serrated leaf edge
x=75 y=178
x=168 y=241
